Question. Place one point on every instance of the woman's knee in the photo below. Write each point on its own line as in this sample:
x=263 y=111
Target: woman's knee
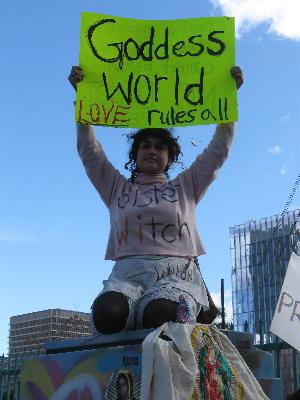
x=110 y=312
x=159 y=311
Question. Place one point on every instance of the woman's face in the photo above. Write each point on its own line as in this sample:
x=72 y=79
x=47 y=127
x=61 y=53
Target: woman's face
x=122 y=388
x=152 y=156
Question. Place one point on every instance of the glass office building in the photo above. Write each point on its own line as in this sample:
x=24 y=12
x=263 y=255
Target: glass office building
x=260 y=251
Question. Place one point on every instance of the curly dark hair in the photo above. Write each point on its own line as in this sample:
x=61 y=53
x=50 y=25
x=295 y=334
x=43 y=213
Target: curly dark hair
x=165 y=135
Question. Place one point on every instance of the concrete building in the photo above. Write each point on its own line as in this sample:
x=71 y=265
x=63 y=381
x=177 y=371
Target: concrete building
x=30 y=332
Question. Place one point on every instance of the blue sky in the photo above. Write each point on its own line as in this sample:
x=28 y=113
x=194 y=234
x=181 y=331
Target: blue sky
x=53 y=226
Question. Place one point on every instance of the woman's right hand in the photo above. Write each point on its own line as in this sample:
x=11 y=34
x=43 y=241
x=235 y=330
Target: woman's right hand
x=76 y=76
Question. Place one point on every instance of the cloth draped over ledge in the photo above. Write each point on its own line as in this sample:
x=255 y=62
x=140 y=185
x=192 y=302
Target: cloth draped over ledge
x=189 y=362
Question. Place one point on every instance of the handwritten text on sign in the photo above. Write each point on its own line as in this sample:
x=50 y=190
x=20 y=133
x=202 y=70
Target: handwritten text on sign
x=286 y=319
x=156 y=73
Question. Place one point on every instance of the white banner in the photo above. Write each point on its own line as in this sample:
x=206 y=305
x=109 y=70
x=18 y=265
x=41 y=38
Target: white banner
x=286 y=320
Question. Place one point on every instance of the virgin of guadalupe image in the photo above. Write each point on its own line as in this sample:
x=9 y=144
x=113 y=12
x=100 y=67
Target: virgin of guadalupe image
x=123 y=386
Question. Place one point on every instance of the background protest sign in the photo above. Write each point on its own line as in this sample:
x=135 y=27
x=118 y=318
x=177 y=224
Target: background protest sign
x=286 y=320
x=156 y=73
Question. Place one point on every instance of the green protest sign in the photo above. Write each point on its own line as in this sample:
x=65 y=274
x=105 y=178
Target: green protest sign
x=156 y=73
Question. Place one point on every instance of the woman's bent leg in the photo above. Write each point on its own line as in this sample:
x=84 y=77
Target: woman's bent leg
x=159 y=311
x=110 y=312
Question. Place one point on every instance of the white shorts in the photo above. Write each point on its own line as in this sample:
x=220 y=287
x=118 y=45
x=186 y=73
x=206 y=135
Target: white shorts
x=145 y=278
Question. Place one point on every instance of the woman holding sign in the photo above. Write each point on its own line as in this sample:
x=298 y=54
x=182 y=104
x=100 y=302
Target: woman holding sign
x=153 y=237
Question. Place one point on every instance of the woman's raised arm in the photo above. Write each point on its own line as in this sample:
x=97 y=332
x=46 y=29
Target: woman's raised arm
x=99 y=169
x=205 y=168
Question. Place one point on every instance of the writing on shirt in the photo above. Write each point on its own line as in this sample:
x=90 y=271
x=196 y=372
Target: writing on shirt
x=138 y=197
x=147 y=226
x=169 y=233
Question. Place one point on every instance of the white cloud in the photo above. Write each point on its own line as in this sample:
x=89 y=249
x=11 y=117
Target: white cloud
x=275 y=150
x=282 y=16
x=283 y=170
x=216 y=296
x=285 y=117
x=16 y=238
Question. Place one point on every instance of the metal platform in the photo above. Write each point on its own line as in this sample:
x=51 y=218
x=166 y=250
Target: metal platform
x=95 y=364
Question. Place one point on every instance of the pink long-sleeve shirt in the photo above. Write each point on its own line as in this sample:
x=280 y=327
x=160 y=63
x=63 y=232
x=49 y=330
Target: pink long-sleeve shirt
x=153 y=216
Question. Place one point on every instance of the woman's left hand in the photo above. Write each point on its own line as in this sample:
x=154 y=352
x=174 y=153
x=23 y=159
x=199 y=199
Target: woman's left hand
x=237 y=74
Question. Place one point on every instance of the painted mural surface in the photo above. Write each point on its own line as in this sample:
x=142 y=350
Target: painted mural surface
x=108 y=374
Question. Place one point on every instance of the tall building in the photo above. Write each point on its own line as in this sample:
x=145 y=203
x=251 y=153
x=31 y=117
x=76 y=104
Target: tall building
x=30 y=332
x=260 y=252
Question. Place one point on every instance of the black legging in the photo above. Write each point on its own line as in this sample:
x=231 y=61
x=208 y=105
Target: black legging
x=111 y=310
